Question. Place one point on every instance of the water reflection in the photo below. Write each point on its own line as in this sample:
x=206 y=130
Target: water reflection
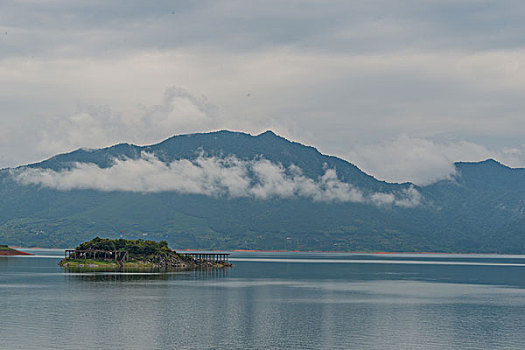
x=260 y=305
x=82 y=274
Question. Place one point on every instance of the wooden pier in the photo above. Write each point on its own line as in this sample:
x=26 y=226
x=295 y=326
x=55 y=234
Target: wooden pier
x=122 y=256
x=108 y=255
x=212 y=257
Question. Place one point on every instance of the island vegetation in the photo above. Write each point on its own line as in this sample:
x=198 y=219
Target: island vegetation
x=104 y=253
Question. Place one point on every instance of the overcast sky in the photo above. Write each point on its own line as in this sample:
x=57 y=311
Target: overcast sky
x=400 y=88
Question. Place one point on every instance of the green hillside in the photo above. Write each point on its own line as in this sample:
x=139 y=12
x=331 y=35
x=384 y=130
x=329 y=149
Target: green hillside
x=481 y=210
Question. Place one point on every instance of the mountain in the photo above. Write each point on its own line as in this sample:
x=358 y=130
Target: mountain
x=231 y=190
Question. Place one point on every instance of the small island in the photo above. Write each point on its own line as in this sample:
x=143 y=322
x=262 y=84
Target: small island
x=6 y=251
x=125 y=254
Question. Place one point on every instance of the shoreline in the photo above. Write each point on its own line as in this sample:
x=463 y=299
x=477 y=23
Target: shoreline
x=13 y=252
x=303 y=251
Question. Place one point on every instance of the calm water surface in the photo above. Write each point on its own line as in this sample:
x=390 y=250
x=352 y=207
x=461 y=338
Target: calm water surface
x=270 y=300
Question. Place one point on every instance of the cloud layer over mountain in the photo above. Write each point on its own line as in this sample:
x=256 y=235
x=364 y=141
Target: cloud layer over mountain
x=211 y=176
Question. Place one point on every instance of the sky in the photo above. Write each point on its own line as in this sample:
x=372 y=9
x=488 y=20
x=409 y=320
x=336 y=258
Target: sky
x=402 y=89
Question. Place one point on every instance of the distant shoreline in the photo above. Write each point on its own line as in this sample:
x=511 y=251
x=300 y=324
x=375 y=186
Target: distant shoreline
x=9 y=251
x=304 y=251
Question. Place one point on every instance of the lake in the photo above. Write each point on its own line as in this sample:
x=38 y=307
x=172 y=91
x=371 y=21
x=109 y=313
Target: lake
x=270 y=300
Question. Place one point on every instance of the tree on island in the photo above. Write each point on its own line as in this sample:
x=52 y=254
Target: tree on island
x=132 y=246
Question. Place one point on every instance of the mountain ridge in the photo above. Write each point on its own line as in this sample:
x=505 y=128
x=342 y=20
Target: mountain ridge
x=132 y=151
x=480 y=209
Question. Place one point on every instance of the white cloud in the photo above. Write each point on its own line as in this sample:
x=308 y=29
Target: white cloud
x=408 y=198
x=423 y=161
x=211 y=176
x=334 y=102
x=95 y=127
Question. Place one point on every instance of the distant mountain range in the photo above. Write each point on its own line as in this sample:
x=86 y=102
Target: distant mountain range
x=231 y=190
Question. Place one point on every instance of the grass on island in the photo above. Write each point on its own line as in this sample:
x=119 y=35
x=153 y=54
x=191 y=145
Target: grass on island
x=89 y=263
x=5 y=248
x=105 y=264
